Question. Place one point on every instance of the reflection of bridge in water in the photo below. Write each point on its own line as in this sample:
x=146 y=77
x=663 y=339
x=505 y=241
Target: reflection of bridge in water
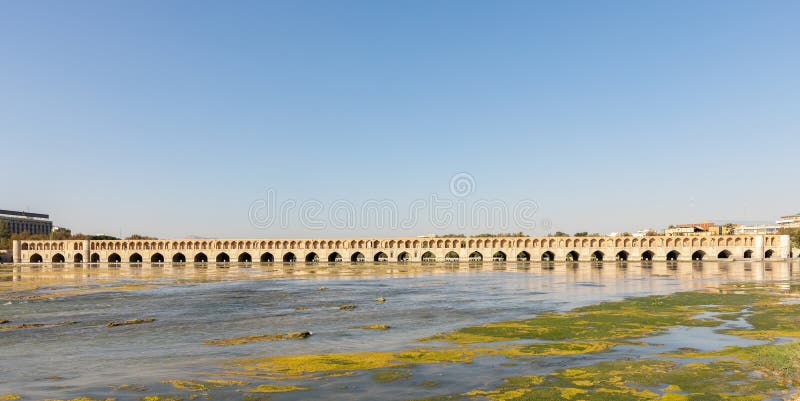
x=595 y=272
x=224 y=252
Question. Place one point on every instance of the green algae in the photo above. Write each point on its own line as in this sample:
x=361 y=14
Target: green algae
x=390 y=375
x=9 y=397
x=205 y=385
x=608 y=321
x=262 y=338
x=635 y=380
x=376 y=327
x=129 y=387
x=160 y=398
x=272 y=388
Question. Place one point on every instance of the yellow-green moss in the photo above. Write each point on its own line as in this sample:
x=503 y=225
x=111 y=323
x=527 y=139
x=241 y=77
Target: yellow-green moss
x=272 y=388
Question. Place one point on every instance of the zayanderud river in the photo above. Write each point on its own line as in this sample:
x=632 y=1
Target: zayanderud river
x=499 y=331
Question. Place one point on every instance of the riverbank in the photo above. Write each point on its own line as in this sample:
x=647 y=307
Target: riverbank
x=499 y=334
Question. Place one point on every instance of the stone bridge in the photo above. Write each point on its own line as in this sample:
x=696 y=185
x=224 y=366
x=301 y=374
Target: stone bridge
x=413 y=249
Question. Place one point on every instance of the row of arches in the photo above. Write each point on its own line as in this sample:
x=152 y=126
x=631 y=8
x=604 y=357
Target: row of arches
x=358 y=257
x=466 y=243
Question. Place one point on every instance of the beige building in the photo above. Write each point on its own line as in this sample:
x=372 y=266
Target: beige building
x=409 y=249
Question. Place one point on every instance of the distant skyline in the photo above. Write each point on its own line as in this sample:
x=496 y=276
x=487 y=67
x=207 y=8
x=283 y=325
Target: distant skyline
x=174 y=119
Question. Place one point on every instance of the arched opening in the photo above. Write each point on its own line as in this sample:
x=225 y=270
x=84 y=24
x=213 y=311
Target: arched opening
x=78 y=258
x=451 y=257
x=135 y=258
x=623 y=256
x=673 y=255
x=266 y=257
x=312 y=257
x=499 y=256
x=475 y=257
x=245 y=257
x=548 y=256
x=381 y=257
x=698 y=255
x=428 y=257
x=58 y=258
x=36 y=258
x=724 y=255
x=114 y=258
x=403 y=257
x=768 y=254
x=572 y=256
x=523 y=257
x=289 y=257
x=647 y=255
x=200 y=258
x=178 y=258
x=95 y=258
x=157 y=258
x=334 y=257
x=223 y=258
x=597 y=256
x=748 y=254
x=358 y=257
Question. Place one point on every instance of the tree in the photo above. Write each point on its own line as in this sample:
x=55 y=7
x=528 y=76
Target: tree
x=794 y=235
x=582 y=234
x=559 y=234
x=139 y=237
x=5 y=232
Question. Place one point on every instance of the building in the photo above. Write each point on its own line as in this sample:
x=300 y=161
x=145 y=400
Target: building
x=792 y=221
x=763 y=229
x=702 y=228
x=24 y=222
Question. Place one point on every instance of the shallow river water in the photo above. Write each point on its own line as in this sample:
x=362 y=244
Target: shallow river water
x=192 y=305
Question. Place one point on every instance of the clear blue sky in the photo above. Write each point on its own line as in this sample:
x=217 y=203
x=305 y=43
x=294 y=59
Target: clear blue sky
x=171 y=118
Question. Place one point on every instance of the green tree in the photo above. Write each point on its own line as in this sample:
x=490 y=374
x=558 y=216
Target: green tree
x=5 y=232
x=794 y=235
x=582 y=234
x=559 y=234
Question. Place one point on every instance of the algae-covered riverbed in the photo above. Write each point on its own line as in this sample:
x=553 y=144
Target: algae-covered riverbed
x=609 y=331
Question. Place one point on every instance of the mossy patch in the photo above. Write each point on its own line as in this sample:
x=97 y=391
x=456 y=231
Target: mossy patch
x=376 y=327
x=390 y=375
x=607 y=321
x=262 y=338
x=9 y=397
x=205 y=385
x=272 y=388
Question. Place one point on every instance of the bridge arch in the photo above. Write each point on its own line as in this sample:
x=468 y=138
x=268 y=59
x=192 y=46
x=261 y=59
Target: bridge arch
x=358 y=257
x=748 y=254
x=178 y=258
x=114 y=258
x=334 y=257
x=381 y=257
x=36 y=258
x=548 y=256
x=266 y=257
x=94 y=258
x=428 y=257
x=289 y=257
x=573 y=256
x=673 y=255
x=648 y=255
x=135 y=258
x=769 y=253
x=58 y=258
x=499 y=256
x=597 y=256
x=524 y=256
x=312 y=257
x=245 y=257
x=725 y=254
x=451 y=257
x=475 y=257
x=623 y=256
x=78 y=258
x=157 y=258
x=403 y=257
x=698 y=255
x=200 y=258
